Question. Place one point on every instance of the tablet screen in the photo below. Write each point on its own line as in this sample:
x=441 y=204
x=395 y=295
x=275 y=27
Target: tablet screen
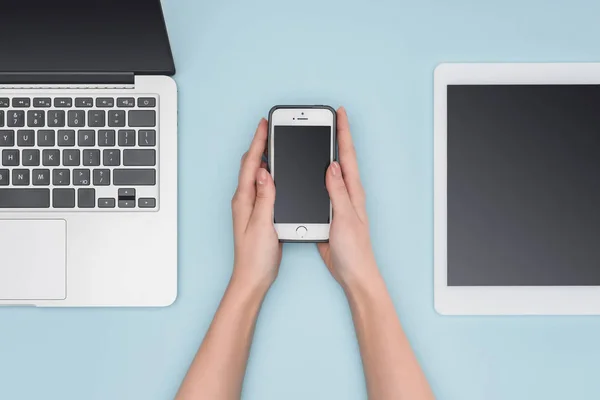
x=523 y=185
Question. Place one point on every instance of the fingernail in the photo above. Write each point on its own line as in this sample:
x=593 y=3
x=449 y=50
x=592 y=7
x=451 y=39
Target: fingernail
x=335 y=168
x=262 y=176
x=261 y=120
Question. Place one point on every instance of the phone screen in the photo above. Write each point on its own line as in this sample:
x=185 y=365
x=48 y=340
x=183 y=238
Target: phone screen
x=301 y=157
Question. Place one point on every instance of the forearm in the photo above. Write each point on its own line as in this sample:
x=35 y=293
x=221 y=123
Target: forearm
x=218 y=369
x=391 y=368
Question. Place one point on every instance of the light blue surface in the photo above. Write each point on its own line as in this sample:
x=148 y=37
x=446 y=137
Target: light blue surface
x=237 y=59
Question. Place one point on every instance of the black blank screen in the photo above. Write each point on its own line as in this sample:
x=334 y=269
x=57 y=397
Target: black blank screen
x=302 y=155
x=523 y=185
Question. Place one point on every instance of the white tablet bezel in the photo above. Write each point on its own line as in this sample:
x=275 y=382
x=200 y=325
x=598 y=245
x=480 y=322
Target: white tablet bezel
x=498 y=300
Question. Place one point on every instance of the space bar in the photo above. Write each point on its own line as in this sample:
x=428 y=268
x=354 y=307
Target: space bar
x=24 y=198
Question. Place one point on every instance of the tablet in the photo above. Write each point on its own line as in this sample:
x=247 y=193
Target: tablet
x=517 y=188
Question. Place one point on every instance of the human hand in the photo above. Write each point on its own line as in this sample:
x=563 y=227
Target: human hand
x=348 y=255
x=257 y=247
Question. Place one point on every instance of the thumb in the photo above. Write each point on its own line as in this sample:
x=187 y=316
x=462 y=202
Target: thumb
x=265 y=198
x=340 y=199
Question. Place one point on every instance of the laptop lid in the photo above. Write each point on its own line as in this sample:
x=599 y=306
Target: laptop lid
x=89 y=36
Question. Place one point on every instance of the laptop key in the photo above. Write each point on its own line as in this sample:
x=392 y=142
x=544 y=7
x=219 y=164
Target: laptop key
x=86 y=137
x=96 y=118
x=15 y=119
x=146 y=102
x=31 y=158
x=41 y=177
x=91 y=158
x=35 y=118
x=105 y=102
x=20 y=177
x=84 y=102
x=21 y=102
x=139 y=158
x=71 y=157
x=125 y=102
x=46 y=138
x=25 y=137
x=126 y=203
x=4 y=102
x=126 y=137
x=63 y=198
x=56 y=118
x=63 y=102
x=106 y=138
x=76 y=118
x=61 y=177
x=81 y=177
x=10 y=158
x=50 y=158
x=106 y=203
x=7 y=138
x=146 y=203
x=24 y=198
x=86 y=198
x=42 y=102
x=101 y=177
x=4 y=177
x=111 y=157
x=142 y=118
x=66 y=138
x=116 y=118
x=1 y=118
x=147 y=137
x=134 y=177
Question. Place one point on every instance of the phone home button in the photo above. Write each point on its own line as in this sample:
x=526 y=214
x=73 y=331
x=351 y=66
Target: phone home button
x=301 y=231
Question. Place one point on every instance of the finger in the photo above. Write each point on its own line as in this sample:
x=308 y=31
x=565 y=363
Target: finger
x=251 y=161
x=338 y=193
x=265 y=199
x=348 y=161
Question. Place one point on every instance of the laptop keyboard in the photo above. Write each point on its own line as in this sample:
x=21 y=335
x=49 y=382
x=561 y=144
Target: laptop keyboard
x=79 y=153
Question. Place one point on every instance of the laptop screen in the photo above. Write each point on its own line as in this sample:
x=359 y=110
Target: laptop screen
x=84 y=36
x=523 y=185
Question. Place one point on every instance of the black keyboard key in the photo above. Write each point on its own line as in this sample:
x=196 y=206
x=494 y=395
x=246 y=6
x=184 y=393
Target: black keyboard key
x=21 y=102
x=116 y=118
x=41 y=177
x=71 y=158
x=91 y=158
x=126 y=194
x=146 y=102
x=56 y=118
x=134 y=177
x=86 y=198
x=4 y=177
x=25 y=137
x=84 y=102
x=30 y=158
x=111 y=157
x=20 y=177
x=125 y=102
x=63 y=198
x=142 y=118
x=126 y=203
x=4 y=103
x=63 y=102
x=101 y=177
x=50 y=158
x=76 y=118
x=46 y=138
x=86 y=137
x=7 y=138
x=42 y=102
x=61 y=177
x=10 y=158
x=96 y=118
x=139 y=158
x=24 y=198
x=106 y=138
x=15 y=119
x=66 y=138
x=1 y=118
x=146 y=137
x=105 y=102
x=106 y=203
x=35 y=118
x=81 y=177
x=147 y=202
x=126 y=137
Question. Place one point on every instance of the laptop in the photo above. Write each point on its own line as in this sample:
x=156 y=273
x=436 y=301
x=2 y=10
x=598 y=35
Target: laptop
x=88 y=154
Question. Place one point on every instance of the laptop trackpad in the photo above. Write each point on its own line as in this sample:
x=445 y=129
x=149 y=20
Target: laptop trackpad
x=33 y=259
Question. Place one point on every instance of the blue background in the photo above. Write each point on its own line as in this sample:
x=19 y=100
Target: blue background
x=237 y=59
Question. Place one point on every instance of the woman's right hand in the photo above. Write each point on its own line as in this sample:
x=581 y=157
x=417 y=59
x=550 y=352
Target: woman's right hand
x=348 y=255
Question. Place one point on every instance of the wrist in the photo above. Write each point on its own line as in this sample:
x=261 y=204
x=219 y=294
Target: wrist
x=369 y=279
x=249 y=285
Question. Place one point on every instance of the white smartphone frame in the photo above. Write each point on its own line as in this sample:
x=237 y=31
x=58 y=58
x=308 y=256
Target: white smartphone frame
x=302 y=232
x=498 y=300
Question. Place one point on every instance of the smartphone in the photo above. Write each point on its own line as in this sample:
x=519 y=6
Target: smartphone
x=302 y=144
